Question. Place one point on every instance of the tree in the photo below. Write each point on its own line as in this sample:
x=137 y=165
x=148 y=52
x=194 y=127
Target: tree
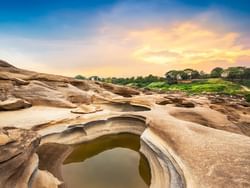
x=108 y=80
x=95 y=78
x=204 y=75
x=182 y=75
x=171 y=76
x=192 y=74
x=80 y=77
x=246 y=74
x=234 y=73
x=150 y=78
x=216 y=72
x=174 y=76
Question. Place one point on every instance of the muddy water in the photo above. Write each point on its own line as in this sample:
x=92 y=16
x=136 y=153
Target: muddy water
x=107 y=162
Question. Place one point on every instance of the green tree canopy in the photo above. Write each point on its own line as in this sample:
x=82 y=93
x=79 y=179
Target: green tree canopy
x=192 y=74
x=80 y=77
x=246 y=74
x=234 y=73
x=216 y=72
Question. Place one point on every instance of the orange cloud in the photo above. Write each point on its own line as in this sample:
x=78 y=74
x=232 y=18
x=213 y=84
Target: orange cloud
x=116 y=51
x=188 y=44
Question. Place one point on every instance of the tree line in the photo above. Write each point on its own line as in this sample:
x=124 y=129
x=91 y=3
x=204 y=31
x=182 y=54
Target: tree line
x=174 y=76
x=231 y=73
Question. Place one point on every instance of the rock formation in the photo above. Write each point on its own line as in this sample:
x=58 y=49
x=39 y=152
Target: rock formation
x=189 y=141
x=19 y=162
x=14 y=104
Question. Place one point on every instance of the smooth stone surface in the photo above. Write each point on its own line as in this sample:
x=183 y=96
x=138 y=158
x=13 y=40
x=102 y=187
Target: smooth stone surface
x=199 y=141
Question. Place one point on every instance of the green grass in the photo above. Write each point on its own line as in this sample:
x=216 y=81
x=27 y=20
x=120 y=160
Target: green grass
x=201 y=86
x=158 y=85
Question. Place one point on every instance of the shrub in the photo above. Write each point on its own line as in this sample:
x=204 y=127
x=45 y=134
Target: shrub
x=80 y=77
x=247 y=97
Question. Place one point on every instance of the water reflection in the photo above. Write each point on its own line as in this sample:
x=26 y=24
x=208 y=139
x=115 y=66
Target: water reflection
x=107 y=162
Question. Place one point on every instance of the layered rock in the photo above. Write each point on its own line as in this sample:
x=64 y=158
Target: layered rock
x=14 y=104
x=120 y=90
x=38 y=93
x=5 y=64
x=86 y=109
x=204 y=157
x=19 y=162
x=189 y=141
x=53 y=90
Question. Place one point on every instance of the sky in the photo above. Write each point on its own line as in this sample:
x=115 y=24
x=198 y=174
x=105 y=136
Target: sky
x=124 y=37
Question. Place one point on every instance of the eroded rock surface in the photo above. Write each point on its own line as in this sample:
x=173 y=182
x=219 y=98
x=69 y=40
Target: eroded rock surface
x=18 y=160
x=189 y=141
x=14 y=104
x=86 y=109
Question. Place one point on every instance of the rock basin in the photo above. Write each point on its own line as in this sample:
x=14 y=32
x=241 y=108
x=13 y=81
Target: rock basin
x=107 y=162
x=189 y=141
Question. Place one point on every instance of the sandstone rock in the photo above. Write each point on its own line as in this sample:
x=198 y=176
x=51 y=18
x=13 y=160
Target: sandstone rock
x=186 y=104
x=51 y=158
x=5 y=64
x=44 y=179
x=217 y=100
x=164 y=102
x=205 y=146
x=19 y=81
x=38 y=93
x=245 y=104
x=75 y=95
x=174 y=99
x=86 y=109
x=81 y=84
x=6 y=89
x=200 y=116
x=19 y=163
x=54 y=90
x=120 y=90
x=48 y=77
x=4 y=139
x=205 y=157
x=179 y=101
x=15 y=156
x=14 y=104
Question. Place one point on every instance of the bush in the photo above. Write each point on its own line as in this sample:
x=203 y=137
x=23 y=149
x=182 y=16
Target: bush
x=247 y=97
x=80 y=77
x=245 y=83
x=216 y=72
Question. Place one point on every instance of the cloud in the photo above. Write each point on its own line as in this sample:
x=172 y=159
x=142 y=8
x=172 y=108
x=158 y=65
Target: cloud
x=188 y=43
x=127 y=39
x=114 y=51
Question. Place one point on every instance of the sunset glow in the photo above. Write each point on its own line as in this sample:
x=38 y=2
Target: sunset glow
x=112 y=39
x=189 y=43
